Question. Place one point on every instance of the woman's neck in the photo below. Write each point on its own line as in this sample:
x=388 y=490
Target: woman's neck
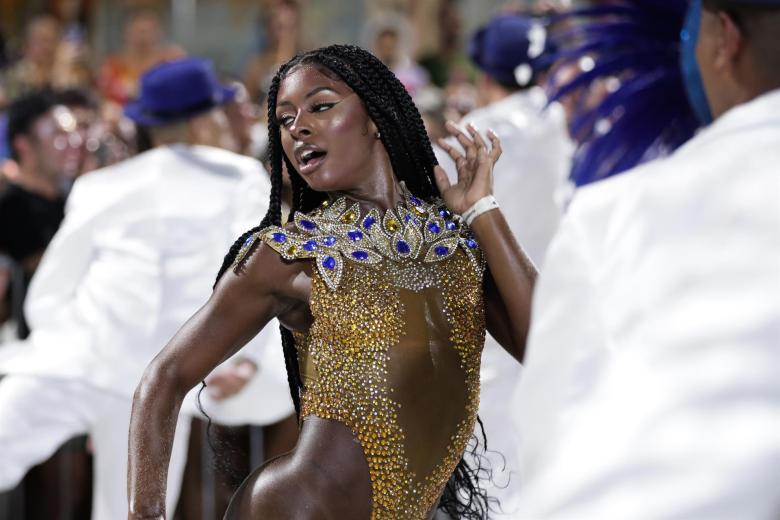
x=381 y=191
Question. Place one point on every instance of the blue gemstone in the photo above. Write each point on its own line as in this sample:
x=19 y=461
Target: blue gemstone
x=308 y=225
x=355 y=235
x=441 y=250
x=471 y=243
x=408 y=218
x=452 y=226
x=370 y=221
x=444 y=213
x=434 y=228
x=414 y=200
x=248 y=241
x=360 y=255
x=329 y=241
x=329 y=263
x=402 y=247
x=310 y=245
x=279 y=238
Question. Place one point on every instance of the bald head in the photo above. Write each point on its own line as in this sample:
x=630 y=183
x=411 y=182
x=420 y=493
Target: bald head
x=738 y=52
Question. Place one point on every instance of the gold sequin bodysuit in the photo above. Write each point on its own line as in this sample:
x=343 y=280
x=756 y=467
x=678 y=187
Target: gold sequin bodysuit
x=394 y=349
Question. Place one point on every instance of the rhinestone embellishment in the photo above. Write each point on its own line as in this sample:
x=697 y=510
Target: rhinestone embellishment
x=341 y=232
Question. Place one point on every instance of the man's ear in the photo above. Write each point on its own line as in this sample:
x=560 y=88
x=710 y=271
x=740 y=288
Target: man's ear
x=731 y=42
x=22 y=145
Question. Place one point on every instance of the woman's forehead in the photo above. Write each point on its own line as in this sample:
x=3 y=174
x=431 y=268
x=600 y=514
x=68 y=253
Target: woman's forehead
x=307 y=78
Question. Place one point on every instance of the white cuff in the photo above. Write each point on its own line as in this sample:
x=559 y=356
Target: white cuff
x=483 y=205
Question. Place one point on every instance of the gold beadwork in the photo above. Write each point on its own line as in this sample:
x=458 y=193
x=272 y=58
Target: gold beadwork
x=349 y=217
x=360 y=319
x=393 y=225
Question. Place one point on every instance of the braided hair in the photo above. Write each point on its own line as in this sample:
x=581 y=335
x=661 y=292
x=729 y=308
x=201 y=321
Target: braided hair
x=403 y=134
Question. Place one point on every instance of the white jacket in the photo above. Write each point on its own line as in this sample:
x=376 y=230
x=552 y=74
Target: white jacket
x=135 y=257
x=651 y=387
x=527 y=180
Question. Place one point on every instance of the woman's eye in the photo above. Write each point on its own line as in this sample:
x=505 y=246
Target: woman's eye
x=322 y=107
x=285 y=121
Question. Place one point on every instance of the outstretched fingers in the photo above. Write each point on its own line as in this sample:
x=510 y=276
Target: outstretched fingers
x=495 y=144
x=451 y=150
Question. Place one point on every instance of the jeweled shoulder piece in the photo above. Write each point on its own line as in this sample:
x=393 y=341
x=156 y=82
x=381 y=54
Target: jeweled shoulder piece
x=339 y=232
x=246 y=247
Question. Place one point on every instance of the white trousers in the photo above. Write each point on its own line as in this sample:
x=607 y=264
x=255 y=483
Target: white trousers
x=38 y=414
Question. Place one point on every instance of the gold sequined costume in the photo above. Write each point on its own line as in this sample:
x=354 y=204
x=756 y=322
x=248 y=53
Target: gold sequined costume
x=394 y=349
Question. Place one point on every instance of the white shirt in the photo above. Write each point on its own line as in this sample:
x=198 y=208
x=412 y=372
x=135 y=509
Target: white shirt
x=135 y=257
x=651 y=386
x=535 y=163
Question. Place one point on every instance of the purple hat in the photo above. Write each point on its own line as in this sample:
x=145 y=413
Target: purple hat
x=511 y=48
x=177 y=90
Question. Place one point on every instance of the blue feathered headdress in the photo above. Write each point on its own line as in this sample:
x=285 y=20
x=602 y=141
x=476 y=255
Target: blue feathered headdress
x=630 y=52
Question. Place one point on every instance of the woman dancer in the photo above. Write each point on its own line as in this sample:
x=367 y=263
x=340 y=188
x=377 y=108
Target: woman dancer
x=380 y=284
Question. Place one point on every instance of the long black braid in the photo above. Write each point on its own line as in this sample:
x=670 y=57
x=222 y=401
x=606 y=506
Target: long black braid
x=403 y=134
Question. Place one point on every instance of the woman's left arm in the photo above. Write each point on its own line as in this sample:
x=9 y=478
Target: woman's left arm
x=511 y=275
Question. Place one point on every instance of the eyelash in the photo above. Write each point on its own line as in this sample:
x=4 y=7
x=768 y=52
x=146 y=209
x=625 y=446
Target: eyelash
x=319 y=107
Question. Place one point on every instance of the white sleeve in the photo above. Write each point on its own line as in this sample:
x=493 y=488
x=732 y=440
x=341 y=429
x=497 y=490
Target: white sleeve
x=252 y=198
x=65 y=262
x=684 y=421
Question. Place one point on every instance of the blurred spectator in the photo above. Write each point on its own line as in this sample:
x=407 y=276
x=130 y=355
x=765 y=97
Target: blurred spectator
x=430 y=103
x=281 y=40
x=41 y=135
x=448 y=65
x=143 y=48
x=510 y=52
x=132 y=260
x=81 y=150
x=244 y=117
x=35 y=68
x=389 y=36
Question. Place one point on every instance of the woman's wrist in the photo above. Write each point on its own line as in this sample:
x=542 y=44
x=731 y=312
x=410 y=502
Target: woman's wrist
x=482 y=206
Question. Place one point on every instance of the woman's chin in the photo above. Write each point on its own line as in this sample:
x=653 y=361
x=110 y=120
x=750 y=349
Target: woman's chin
x=322 y=181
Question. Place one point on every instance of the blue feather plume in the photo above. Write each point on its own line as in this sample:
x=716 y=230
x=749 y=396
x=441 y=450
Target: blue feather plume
x=633 y=49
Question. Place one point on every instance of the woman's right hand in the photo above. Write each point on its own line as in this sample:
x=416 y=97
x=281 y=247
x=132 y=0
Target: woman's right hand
x=475 y=168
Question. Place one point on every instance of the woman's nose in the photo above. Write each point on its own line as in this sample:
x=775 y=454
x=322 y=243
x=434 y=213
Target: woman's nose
x=300 y=127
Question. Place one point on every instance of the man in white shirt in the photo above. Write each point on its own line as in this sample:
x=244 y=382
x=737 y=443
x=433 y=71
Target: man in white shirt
x=134 y=258
x=510 y=52
x=651 y=388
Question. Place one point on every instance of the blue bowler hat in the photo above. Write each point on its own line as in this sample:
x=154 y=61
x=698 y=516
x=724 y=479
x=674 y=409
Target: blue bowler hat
x=177 y=90
x=510 y=48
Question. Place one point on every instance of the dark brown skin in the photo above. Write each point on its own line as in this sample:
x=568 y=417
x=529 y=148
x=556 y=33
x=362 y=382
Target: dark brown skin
x=326 y=475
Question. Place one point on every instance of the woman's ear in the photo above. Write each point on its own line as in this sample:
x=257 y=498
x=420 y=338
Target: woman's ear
x=371 y=129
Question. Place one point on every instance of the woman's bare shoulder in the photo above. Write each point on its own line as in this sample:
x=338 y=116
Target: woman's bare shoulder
x=263 y=263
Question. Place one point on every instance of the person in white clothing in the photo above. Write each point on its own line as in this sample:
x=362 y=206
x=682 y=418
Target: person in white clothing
x=135 y=256
x=650 y=389
x=511 y=51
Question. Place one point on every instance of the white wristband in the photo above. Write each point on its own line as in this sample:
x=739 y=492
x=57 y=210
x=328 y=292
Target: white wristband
x=483 y=205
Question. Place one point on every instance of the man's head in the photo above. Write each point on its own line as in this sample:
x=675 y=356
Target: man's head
x=142 y=31
x=181 y=102
x=738 y=50
x=509 y=51
x=44 y=137
x=42 y=36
